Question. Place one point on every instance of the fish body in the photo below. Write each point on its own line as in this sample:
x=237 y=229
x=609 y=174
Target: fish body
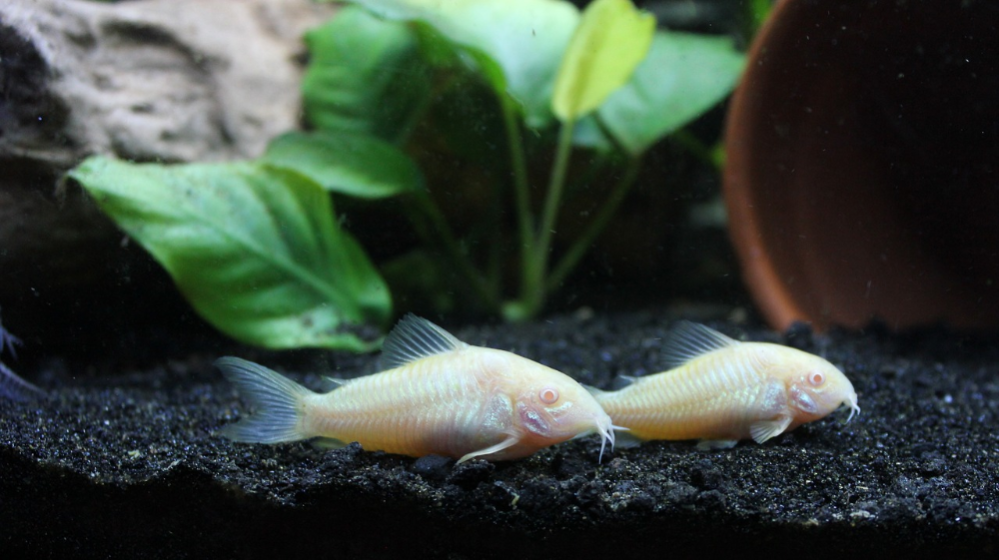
x=722 y=391
x=438 y=396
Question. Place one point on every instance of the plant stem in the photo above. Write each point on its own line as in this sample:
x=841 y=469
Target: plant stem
x=533 y=290
x=492 y=271
x=555 y=188
x=692 y=143
x=441 y=234
x=579 y=248
x=518 y=160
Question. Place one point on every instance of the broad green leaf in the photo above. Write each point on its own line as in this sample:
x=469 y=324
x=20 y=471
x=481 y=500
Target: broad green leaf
x=587 y=134
x=466 y=118
x=254 y=249
x=612 y=38
x=441 y=52
x=516 y=44
x=683 y=76
x=354 y=164
x=365 y=75
x=437 y=50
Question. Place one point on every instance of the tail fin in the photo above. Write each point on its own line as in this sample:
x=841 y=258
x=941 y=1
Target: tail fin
x=13 y=387
x=278 y=401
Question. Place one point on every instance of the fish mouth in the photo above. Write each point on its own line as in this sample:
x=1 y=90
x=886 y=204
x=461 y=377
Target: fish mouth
x=851 y=402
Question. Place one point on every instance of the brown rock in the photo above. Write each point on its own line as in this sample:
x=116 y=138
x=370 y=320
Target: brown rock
x=151 y=80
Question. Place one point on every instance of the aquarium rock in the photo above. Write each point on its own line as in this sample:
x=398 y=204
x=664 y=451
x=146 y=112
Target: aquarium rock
x=149 y=80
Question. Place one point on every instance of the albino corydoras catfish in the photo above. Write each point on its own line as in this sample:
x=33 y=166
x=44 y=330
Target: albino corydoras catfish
x=721 y=391
x=438 y=395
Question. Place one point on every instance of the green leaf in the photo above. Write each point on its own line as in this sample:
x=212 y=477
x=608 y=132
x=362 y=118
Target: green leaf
x=587 y=134
x=516 y=44
x=682 y=77
x=365 y=75
x=358 y=165
x=254 y=249
x=758 y=12
x=466 y=118
x=612 y=38
x=437 y=50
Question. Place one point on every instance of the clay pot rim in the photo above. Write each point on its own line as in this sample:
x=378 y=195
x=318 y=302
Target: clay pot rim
x=773 y=298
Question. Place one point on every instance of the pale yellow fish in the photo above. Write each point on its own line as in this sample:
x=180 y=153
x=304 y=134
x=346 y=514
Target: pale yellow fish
x=439 y=396
x=721 y=391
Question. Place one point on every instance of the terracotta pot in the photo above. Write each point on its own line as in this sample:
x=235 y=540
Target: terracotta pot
x=862 y=177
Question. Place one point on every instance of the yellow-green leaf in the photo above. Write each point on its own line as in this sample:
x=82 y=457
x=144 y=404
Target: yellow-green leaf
x=611 y=39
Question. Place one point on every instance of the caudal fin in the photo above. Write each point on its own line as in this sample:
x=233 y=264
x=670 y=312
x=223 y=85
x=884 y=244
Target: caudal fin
x=13 y=387
x=278 y=402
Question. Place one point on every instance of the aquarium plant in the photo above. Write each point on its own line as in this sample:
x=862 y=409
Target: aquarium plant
x=518 y=89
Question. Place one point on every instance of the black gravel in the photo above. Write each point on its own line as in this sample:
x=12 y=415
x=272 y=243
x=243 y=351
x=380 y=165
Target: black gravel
x=124 y=464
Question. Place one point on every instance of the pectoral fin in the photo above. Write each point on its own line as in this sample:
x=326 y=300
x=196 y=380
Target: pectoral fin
x=508 y=442
x=326 y=444
x=626 y=440
x=712 y=444
x=765 y=429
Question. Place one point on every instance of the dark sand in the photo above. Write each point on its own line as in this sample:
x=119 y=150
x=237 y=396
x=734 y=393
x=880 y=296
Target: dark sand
x=124 y=463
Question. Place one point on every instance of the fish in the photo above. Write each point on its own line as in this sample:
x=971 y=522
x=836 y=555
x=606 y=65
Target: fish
x=438 y=395
x=12 y=385
x=720 y=391
x=8 y=341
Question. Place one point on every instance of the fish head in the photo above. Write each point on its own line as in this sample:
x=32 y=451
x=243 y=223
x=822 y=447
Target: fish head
x=815 y=386
x=551 y=407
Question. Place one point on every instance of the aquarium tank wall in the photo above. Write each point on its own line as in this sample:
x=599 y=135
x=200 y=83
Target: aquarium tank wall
x=513 y=277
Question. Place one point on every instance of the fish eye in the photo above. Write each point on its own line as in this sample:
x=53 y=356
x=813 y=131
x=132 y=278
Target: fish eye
x=816 y=378
x=548 y=395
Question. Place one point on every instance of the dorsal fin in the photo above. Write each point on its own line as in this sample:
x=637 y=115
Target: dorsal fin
x=622 y=381
x=331 y=384
x=414 y=338
x=691 y=340
x=593 y=390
